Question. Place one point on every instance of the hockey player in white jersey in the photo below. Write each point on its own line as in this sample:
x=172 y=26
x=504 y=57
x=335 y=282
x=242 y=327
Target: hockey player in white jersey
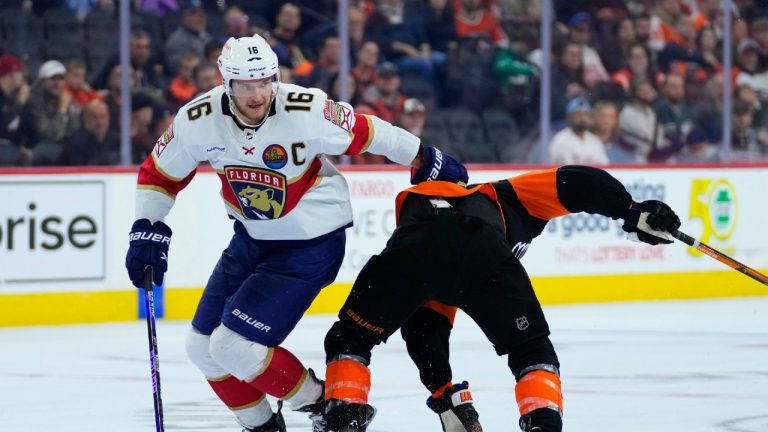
x=267 y=142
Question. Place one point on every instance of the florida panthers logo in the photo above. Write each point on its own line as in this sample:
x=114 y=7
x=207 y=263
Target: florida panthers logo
x=260 y=193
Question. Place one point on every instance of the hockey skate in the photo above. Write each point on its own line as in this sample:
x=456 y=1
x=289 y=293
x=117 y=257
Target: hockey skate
x=541 y=420
x=342 y=416
x=316 y=409
x=275 y=424
x=456 y=411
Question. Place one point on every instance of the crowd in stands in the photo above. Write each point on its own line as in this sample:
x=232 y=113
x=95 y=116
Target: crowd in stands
x=633 y=81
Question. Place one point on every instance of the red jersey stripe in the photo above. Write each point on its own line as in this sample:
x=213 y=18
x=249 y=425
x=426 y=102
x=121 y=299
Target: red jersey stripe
x=362 y=134
x=152 y=177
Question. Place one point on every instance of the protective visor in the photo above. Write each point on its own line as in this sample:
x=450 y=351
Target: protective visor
x=251 y=88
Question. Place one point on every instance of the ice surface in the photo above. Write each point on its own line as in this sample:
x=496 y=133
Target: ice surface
x=694 y=366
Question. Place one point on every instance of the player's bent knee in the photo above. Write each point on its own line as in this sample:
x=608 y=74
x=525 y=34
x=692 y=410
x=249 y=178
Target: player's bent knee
x=198 y=351
x=343 y=339
x=237 y=355
x=532 y=352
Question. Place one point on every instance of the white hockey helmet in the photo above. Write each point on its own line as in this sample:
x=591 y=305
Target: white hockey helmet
x=247 y=58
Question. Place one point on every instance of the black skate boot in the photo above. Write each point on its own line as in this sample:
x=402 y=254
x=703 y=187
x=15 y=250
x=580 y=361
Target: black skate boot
x=316 y=409
x=343 y=416
x=456 y=411
x=275 y=424
x=542 y=420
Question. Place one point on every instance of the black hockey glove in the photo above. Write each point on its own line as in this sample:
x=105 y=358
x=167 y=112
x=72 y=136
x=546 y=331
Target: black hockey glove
x=651 y=222
x=436 y=165
x=147 y=246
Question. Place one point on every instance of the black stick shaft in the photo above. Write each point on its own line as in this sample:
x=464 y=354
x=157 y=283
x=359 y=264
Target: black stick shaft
x=723 y=258
x=149 y=303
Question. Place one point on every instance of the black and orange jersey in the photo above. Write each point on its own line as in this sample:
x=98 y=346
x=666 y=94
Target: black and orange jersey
x=521 y=206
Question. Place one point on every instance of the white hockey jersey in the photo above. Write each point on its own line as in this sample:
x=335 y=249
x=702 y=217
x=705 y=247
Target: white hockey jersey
x=274 y=179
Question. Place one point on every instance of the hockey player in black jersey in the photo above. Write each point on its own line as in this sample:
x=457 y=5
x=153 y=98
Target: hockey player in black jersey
x=454 y=246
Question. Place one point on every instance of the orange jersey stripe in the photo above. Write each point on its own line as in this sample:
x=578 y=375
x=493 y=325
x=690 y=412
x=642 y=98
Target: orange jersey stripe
x=537 y=191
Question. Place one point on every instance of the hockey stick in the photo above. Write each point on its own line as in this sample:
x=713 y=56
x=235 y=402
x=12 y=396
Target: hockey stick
x=149 y=303
x=723 y=258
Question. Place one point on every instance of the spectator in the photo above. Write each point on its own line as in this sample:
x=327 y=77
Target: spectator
x=439 y=25
x=190 y=37
x=205 y=77
x=576 y=144
x=674 y=115
x=413 y=116
x=567 y=79
x=698 y=149
x=235 y=24
x=706 y=43
x=287 y=24
x=112 y=97
x=750 y=72
x=744 y=140
x=142 y=136
x=759 y=110
x=335 y=91
x=580 y=32
x=638 y=126
x=182 y=87
x=327 y=64
x=212 y=52
x=399 y=30
x=605 y=122
x=759 y=32
x=50 y=115
x=365 y=67
x=76 y=85
x=662 y=24
x=14 y=94
x=682 y=56
x=473 y=18
x=93 y=144
x=614 y=51
x=708 y=109
x=638 y=69
x=148 y=72
x=385 y=97
x=642 y=24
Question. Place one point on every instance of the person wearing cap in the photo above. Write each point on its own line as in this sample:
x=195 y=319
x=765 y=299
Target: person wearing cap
x=14 y=93
x=576 y=144
x=698 y=149
x=50 y=114
x=385 y=96
x=413 y=116
x=580 y=32
x=191 y=36
x=750 y=71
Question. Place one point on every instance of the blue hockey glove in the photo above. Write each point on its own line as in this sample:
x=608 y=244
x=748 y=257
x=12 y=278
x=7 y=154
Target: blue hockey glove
x=147 y=246
x=436 y=165
x=651 y=222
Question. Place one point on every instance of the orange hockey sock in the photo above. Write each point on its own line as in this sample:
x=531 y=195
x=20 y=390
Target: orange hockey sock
x=347 y=380
x=539 y=389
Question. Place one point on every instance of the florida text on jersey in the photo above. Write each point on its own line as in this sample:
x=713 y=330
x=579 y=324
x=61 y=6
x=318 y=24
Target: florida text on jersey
x=275 y=179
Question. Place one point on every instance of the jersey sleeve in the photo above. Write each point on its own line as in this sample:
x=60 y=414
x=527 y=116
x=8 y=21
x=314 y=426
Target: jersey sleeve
x=366 y=133
x=166 y=171
x=547 y=194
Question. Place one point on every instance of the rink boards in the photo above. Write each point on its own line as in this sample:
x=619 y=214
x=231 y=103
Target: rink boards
x=63 y=241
